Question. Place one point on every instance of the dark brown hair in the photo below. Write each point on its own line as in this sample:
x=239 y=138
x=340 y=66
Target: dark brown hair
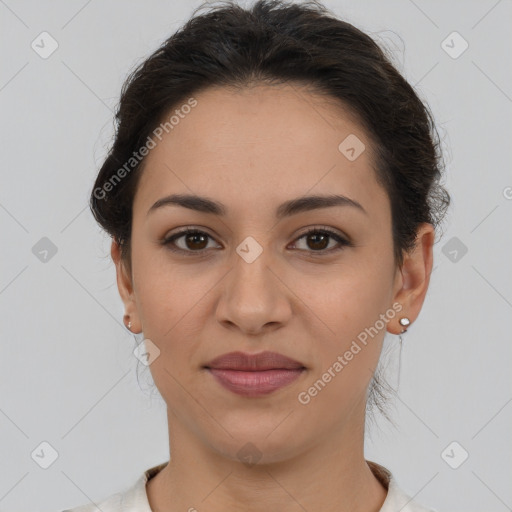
x=279 y=42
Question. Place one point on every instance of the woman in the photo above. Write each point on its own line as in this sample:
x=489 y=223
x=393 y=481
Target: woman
x=272 y=195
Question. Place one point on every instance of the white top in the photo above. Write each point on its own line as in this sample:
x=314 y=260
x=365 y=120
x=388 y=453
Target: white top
x=135 y=498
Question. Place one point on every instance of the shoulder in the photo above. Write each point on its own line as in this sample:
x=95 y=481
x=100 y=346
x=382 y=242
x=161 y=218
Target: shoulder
x=111 y=504
x=396 y=499
x=133 y=498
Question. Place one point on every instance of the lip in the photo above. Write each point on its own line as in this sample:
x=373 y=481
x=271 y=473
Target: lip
x=243 y=361
x=254 y=374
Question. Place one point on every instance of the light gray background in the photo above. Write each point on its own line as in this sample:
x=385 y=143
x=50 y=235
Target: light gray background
x=68 y=375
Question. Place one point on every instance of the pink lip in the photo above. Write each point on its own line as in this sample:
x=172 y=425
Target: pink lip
x=254 y=374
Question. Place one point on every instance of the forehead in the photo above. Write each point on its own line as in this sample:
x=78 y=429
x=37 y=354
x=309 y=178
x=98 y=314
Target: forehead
x=261 y=144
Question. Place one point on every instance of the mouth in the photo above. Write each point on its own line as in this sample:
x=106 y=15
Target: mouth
x=254 y=374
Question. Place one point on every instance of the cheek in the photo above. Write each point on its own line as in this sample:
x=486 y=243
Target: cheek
x=172 y=301
x=169 y=305
x=353 y=295
x=167 y=294
x=355 y=306
x=346 y=358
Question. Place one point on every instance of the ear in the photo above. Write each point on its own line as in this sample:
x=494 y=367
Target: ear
x=125 y=286
x=412 y=280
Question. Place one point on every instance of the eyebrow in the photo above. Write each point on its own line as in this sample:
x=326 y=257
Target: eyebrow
x=287 y=209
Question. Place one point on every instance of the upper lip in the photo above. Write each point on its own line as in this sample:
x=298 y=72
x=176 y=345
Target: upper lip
x=253 y=362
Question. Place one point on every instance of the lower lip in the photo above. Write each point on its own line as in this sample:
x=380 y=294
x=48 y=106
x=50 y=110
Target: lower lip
x=255 y=383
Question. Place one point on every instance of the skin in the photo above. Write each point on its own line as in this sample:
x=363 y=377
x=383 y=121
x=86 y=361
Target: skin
x=252 y=150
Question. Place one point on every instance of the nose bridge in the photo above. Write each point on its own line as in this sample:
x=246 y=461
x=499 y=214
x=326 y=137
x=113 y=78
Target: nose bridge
x=252 y=296
x=252 y=278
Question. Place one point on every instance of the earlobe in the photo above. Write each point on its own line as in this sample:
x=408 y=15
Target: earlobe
x=414 y=278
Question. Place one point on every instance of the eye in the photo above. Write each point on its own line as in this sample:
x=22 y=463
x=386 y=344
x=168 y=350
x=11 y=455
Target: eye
x=319 y=239
x=194 y=240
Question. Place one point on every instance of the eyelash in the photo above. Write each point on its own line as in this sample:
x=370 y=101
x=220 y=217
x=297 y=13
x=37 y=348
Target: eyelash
x=169 y=242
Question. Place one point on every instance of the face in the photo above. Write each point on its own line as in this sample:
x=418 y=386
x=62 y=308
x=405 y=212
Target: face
x=252 y=279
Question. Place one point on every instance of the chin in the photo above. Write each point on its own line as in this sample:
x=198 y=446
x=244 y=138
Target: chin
x=258 y=443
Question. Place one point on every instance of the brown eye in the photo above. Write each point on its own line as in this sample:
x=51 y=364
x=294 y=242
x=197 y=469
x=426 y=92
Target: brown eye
x=195 y=241
x=191 y=240
x=317 y=240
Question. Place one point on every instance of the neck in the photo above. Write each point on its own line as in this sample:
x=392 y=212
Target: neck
x=331 y=475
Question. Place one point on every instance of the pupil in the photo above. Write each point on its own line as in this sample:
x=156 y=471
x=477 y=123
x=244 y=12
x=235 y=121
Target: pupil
x=194 y=237
x=317 y=236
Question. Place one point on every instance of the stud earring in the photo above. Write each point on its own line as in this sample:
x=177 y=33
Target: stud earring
x=130 y=325
x=404 y=322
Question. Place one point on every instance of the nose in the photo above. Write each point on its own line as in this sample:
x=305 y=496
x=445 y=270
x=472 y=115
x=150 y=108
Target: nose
x=254 y=297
